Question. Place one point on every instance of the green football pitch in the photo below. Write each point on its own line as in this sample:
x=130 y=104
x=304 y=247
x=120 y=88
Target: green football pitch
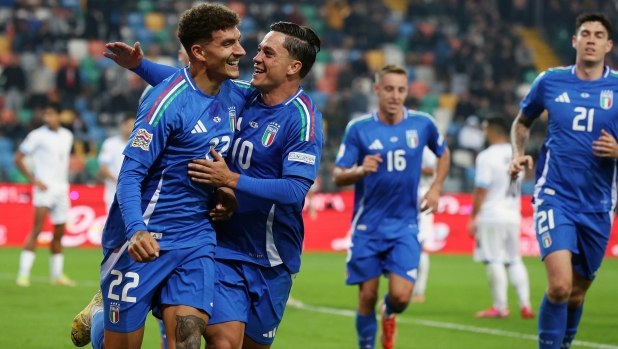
x=40 y=316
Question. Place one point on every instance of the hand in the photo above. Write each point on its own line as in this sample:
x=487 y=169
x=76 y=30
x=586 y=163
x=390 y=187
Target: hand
x=213 y=172
x=226 y=205
x=40 y=185
x=143 y=247
x=370 y=164
x=124 y=55
x=431 y=200
x=472 y=227
x=605 y=146
x=516 y=165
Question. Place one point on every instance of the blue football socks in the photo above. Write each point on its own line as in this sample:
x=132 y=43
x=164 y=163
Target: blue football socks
x=552 y=323
x=366 y=328
x=573 y=317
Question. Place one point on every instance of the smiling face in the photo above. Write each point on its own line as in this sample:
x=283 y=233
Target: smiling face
x=222 y=54
x=392 y=90
x=592 y=42
x=273 y=63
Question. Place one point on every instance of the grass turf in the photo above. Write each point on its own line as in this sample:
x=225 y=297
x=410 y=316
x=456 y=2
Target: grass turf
x=40 y=316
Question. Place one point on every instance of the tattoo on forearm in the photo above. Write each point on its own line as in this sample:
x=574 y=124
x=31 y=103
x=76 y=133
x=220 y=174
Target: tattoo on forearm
x=189 y=331
x=519 y=137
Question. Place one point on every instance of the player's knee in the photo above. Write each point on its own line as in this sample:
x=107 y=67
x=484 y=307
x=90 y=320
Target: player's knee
x=400 y=299
x=368 y=297
x=223 y=341
x=559 y=291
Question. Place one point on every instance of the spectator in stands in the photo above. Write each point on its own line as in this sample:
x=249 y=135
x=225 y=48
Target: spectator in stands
x=471 y=137
x=11 y=127
x=13 y=80
x=42 y=82
x=69 y=83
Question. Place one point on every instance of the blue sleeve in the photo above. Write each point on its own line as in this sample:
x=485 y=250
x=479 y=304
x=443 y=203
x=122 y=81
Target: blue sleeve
x=152 y=128
x=153 y=73
x=435 y=141
x=128 y=193
x=532 y=105
x=303 y=148
x=349 y=149
x=282 y=191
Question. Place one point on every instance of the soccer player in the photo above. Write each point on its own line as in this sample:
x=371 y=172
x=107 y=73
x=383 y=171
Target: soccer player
x=50 y=148
x=111 y=158
x=425 y=226
x=573 y=197
x=495 y=220
x=158 y=241
x=264 y=240
x=381 y=154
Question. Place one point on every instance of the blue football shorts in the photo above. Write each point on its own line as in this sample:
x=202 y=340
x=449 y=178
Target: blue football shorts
x=585 y=234
x=369 y=258
x=177 y=277
x=252 y=294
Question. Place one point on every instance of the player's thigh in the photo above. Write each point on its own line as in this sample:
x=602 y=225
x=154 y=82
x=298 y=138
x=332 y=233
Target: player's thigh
x=129 y=288
x=249 y=343
x=365 y=260
x=120 y=340
x=191 y=283
x=555 y=230
x=59 y=210
x=402 y=257
x=490 y=243
x=593 y=232
x=184 y=326
x=511 y=243
x=269 y=291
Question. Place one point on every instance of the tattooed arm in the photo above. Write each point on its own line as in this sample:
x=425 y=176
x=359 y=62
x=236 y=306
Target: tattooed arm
x=520 y=131
x=189 y=330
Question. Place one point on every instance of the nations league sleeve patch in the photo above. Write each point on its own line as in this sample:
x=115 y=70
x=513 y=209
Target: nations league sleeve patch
x=142 y=139
x=302 y=157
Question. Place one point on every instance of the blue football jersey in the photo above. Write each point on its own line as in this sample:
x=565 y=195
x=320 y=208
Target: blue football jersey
x=176 y=123
x=386 y=202
x=271 y=142
x=568 y=174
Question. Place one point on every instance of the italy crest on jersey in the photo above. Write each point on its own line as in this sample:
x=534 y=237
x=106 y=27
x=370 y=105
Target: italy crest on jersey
x=412 y=138
x=269 y=134
x=232 y=115
x=607 y=99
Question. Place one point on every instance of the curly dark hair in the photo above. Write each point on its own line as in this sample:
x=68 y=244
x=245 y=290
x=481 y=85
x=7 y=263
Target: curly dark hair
x=301 y=42
x=594 y=17
x=197 y=24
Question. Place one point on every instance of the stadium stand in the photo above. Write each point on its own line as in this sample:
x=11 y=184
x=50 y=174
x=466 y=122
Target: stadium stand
x=466 y=58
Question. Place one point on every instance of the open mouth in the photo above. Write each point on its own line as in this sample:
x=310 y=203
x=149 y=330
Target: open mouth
x=590 y=51
x=257 y=71
x=233 y=63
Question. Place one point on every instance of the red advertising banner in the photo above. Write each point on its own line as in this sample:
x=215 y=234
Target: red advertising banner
x=326 y=231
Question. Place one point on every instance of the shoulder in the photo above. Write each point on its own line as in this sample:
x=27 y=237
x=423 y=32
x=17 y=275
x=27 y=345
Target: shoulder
x=171 y=93
x=304 y=116
x=239 y=85
x=420 y=115
x=613 y=74
x=483 y=156
x=556 y=73
x=359 y=122
x=302 y=104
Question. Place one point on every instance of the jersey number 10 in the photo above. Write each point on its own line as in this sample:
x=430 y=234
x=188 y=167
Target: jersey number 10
x=587 y=115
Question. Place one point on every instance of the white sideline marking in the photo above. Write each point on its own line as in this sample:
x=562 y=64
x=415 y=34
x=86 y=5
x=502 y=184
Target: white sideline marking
x=447 y=325
x=45 y=279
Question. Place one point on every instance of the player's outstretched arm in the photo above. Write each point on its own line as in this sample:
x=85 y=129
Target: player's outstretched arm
x=133 y=58
x=348 y=176
x=432 y=197
x=520 y=132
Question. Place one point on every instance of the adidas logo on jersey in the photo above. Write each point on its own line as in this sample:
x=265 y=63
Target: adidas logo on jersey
x=563 y=98
x=376 y=145
x=270 y=334
x=199 y=127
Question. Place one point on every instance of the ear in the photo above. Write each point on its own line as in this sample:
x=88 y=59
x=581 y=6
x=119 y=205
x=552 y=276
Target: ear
x=376 y=88
x=197 y=52
x=574 y=41
x=610 y=45
x=295 y=67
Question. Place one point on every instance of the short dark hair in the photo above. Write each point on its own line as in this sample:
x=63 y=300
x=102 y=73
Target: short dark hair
x=54 y=106
x=594 y=17
x=197 y=24
x=301 y=42
x=499 y=124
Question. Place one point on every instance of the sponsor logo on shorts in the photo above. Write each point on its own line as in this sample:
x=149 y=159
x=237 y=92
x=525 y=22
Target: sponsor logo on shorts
x=114 y=313
x=549 y=191
x=270 y=334
x=546 y=238
x=142 y=139
x=361 y=227
x=302 y=157
x=413 y=273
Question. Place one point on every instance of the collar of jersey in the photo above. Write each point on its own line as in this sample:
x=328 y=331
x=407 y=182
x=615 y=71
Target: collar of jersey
x=286 y=102
x=374 y=113
x=185 y=72
x=605 y=74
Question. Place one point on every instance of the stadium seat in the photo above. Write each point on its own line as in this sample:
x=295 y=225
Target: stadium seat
x=162 y=36
x=135 y=20
x=375 y=59
x=323 y=57
x=448 y=101
x=5 y=45
x=309 y=11
x=237 y=7
x=406 y=30
x=326 y=85
x=318 y=70
x=145 y=6
x=393 y=54
x=92 y=166
x=78 y=48
x=418 y=89
x=144 y=36
x=77 y=163
x=51 y=61
x=154 y=21
x=25 y=115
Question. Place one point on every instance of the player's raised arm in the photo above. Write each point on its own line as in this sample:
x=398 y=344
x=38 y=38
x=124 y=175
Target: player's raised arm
x=520 y=132
x=343 y=176
x=133 y=58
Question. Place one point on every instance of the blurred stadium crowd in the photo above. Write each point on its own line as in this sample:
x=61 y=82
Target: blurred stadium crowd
x=467 y=59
